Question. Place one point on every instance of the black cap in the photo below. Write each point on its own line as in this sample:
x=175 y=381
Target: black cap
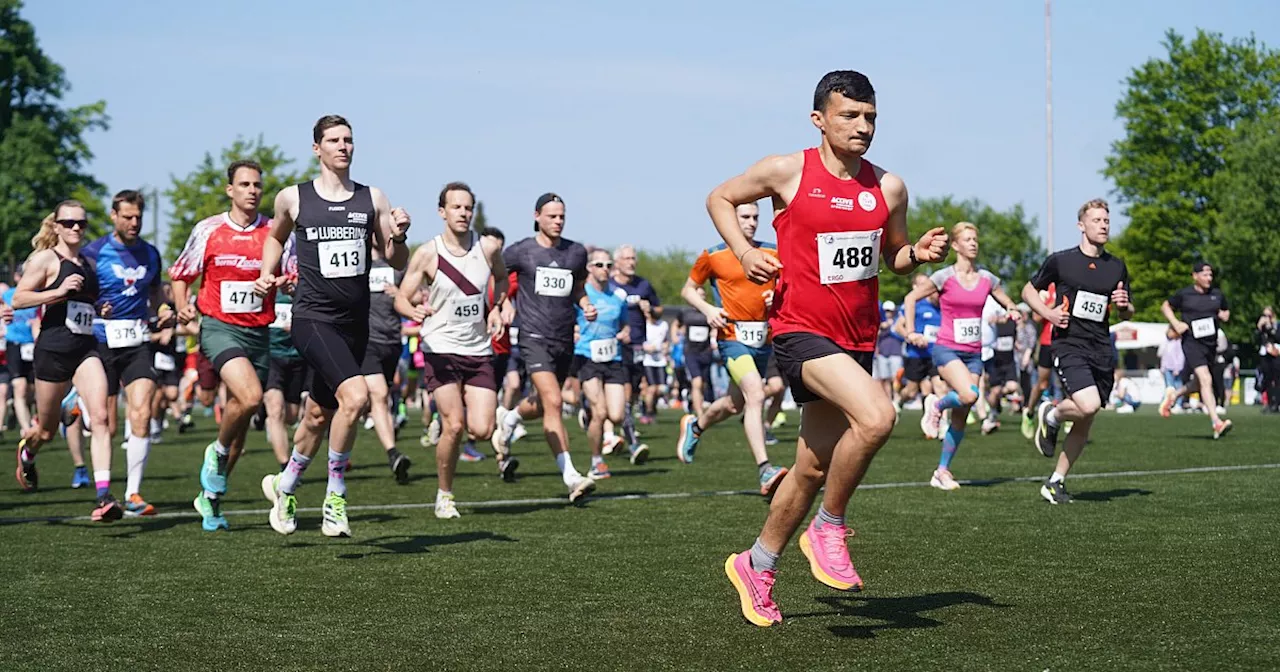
x=543 y=200
x=1200 y=266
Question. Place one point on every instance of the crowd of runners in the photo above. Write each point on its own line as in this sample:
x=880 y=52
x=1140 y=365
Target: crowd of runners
x=319 y=319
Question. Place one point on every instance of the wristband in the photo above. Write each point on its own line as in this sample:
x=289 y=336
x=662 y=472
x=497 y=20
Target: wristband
x=399 y=240
x=911 y=254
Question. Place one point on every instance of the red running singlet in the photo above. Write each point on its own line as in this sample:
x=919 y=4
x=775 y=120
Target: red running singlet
x=829 y=242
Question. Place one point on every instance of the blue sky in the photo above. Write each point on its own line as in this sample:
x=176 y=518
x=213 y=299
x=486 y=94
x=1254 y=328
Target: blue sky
x=631 y=111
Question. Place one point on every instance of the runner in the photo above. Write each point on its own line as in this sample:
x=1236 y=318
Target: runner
x=503 y=348
x=963 y=289
x=458 y=326
x=381 y=359
x=656 y=347
x=1203 y=309
x=744 y=340
x=601 y=367
x=551 y=273
x=164 y=359
x=1089 y=282
x=642 y=300
x=62 y=281
x=20 y=353
x=1002 y=368
x=335 y=217
x=698 y=353
x=917 y=361
x=837 y=214
x=285 y=379
x=129 y=279
x=224 y=252
x=1044 y=365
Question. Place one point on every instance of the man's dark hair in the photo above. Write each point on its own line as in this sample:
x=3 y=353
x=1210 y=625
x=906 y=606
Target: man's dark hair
x=130 y=196
x=848 y=83
x=325 y=123
x=494 y=232
x=455 y=186
x=237 y=165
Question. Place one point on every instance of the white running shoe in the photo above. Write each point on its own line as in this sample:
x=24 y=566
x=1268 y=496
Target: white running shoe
x=368 y=422
x=932 y=417
x=582 y=487
x=433 y=430
x=519 y=433
x=611 y=444
x=501 y=439
x=445 y=507
x=943 y=480
x=335 y=516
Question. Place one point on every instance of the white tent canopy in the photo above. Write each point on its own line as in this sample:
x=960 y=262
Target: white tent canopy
x=1138 y=335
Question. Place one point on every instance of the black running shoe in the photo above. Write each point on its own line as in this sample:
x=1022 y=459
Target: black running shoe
x=1055 y=493
x=1046 y=436
x=26 y=473
x=507 y=469
x=400 y=467
x=186 y=424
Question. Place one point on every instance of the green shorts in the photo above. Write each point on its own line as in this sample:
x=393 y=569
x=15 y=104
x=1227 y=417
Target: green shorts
x=221 y=342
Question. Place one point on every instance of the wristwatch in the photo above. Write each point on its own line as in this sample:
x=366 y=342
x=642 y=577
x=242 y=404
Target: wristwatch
x=911 y=254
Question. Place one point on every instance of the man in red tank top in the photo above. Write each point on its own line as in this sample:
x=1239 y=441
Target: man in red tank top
x=836 y=216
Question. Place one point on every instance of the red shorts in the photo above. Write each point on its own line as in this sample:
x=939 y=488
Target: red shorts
x=207 y=377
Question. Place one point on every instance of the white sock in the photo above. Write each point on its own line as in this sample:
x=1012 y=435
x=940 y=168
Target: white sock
x=128 y=427
x=596 y=460
x=441 y=493
x=136 y=451
x=1057 y=478
x=156 y=427
x=565 y=465
x=610 y=437
x=1051 y=418
x=510 y=420
x=219 y=448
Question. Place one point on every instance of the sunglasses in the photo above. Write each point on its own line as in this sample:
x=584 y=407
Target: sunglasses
x=601 y=264
x=73 y=223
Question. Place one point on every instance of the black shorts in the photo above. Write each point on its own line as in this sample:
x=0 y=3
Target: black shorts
x=634 y=365
x=125 y=365
x=1080 y=372
x=771 y=369
x=543 y=355
x=1198 y=354
x=794 y=349
x=5 y=377
x=60 y=366
x=609 y=373
x=916 y=369
x=500 y=364
x=381 y=358
x=575 y=367
x=1000 y=372
x=289 y=376
x=334 y=353
x=655 y=375
x=698 y=364
x=19 y=367
x=1044 y=357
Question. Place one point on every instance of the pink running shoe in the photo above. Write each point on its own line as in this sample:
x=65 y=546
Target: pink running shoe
x=755 y=590
x=931 y=421
x=829 y=556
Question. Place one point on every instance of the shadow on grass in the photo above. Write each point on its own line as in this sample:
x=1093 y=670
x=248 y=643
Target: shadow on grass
x=402 y=544
x=986 y=482
x=894 y=613
x=1108 y=495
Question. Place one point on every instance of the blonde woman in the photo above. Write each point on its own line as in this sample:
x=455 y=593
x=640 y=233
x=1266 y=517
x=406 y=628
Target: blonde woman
x=65 y=284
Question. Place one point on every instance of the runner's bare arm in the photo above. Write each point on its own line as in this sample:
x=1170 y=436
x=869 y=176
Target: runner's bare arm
x=775 y=177
x=1178 y=325
x=31 y=291
x=273 y=247
x=498 y=269
x=716 y=316
x=1031 y=296
x=900 y=255
x=391 y=233
x=413 y=277
x=182 y=299
x=1009 y=304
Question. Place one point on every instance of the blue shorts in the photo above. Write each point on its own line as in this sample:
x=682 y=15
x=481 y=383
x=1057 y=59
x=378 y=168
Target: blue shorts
x=942 y=356
x=733 y=352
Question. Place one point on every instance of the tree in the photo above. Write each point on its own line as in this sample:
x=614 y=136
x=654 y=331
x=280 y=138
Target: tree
x=666 y=271
x=42 y=146
x=1007 y=245
x=202 y=192
x=1246 y=247
x=479 y=222
x=1180 y=114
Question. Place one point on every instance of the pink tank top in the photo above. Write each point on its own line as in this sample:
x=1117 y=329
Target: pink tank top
x=962 y=308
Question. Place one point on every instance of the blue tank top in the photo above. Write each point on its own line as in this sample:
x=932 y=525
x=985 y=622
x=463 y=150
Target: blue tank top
x=20 y=330
x=928 y=322
x=126 y=274
x=611 y=309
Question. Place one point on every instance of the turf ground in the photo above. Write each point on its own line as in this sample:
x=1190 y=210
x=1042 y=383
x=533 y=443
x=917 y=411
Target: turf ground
x=1166 y=567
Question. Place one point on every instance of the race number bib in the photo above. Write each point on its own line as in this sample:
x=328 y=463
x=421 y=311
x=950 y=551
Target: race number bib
x=284 y=316
x=553 y=281
x=931 y=332
x=751 y=334
x=848 y=256
x=164 y=362
x=126 y=333
x=515 y=335
x=1090 y=306
x=27 y=351
x=637 y=355
x=1203 y=327
x=238 y=297
x=465 y=310
x=380 y=277
x=699 y=334
x=967 y=329
x=342 y=258
x=604 y=350
x=1004 y=344
x=80 y=317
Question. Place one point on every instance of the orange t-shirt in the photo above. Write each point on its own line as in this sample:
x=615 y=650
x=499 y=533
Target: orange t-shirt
x=741 y=298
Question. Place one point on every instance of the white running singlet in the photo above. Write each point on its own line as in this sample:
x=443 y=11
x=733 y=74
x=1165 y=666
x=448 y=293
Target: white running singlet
x=459 y=325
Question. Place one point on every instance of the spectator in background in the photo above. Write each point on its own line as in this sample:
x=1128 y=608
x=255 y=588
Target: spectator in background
x=888 y=359
x=1124 y=396
x=1268 y=339
x=1172 y=362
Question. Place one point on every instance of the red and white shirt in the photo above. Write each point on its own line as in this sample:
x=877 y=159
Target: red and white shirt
x=229 y=257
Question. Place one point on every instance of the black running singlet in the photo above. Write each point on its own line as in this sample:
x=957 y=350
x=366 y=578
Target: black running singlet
x=68 y=324
x=333 y=242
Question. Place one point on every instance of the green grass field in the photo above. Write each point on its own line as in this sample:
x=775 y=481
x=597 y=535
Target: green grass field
x=1162 y=570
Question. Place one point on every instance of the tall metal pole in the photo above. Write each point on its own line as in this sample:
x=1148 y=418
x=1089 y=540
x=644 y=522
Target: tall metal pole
x=1048 y=120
